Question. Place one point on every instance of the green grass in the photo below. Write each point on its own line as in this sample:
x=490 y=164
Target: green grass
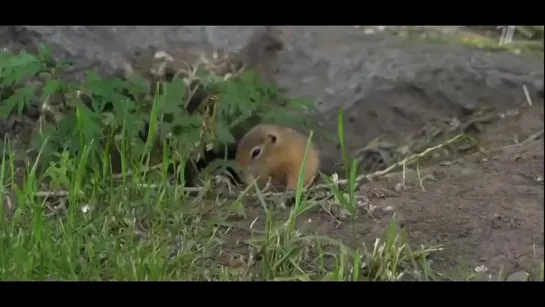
x=526 y=39
x=85 y=226
x=146 y=229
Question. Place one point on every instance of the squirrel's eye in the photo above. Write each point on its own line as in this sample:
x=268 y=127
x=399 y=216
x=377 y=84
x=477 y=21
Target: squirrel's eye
x=255 y=153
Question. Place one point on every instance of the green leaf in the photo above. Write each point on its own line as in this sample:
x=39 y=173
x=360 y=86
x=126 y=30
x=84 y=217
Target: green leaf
x=51 y=86
x=44 y=55
x=17 y=68
x=21 y=98
x=224 y=135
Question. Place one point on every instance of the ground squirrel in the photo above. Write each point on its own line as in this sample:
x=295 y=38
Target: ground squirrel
x=275 y=152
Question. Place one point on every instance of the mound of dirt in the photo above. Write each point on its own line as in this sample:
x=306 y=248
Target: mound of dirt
x=385 y=84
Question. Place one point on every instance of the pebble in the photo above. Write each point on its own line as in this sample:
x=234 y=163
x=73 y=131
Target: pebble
x=518 y=276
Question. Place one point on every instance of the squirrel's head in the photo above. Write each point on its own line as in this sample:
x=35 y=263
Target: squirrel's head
x=253 y=151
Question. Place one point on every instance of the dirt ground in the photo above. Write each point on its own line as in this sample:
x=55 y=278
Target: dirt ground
x=484 y=211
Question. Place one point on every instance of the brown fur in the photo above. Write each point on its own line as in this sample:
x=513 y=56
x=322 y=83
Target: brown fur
x=281 y=157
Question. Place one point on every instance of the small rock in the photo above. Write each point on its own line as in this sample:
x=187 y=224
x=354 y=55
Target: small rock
x=518 y=276
x=399 y=187
x=481 y=269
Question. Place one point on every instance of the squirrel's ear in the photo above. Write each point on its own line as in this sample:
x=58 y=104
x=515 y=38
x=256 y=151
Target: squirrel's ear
x=272 y=137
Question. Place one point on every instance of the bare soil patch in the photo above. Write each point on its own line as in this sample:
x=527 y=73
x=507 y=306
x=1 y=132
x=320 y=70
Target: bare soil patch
x=486 y=211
